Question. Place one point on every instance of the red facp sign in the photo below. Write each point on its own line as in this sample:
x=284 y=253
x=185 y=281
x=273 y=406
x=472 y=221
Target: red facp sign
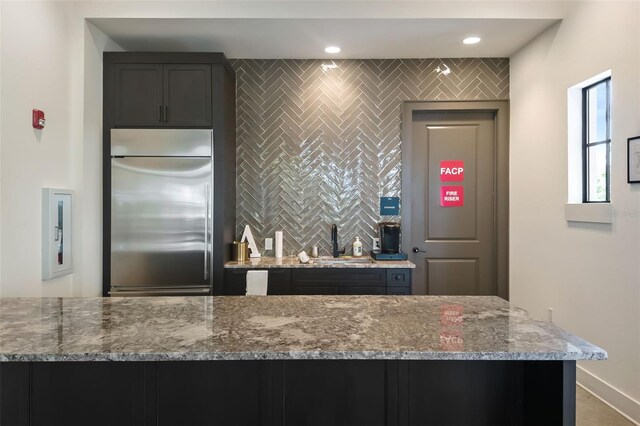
x=451 y=314
x=451 y=340
x=452 y=171
x=451 y=196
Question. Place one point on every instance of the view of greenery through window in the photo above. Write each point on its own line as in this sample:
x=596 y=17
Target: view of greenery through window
x=597 y=142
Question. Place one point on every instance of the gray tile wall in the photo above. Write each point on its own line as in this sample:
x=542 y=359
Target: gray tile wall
x=316 y=147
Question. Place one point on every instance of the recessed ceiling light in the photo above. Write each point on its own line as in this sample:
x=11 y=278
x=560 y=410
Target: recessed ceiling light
x=332 y=49
x=471 y=40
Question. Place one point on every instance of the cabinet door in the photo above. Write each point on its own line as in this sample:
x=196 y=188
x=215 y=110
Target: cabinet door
x=362 y=290
x=138 y=95
x=358 y=277
x=339 y=281
x=399 y=281
x=187 y=95
x=235 y=282
x=279 y=282
x=399 y=291
x=398 y=277
x=316 y=290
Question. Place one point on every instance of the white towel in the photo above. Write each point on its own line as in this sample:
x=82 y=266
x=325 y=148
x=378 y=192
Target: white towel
x=257 y=283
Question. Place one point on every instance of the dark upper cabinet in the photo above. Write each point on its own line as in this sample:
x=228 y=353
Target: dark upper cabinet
x=187 y=95
x=159 y=95
x=138 y=95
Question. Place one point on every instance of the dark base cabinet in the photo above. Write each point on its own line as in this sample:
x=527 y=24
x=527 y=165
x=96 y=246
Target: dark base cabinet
x=327 y=281
x=235 y=282
x=313 y=392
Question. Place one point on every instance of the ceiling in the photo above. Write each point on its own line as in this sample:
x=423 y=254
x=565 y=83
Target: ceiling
x=258 y=38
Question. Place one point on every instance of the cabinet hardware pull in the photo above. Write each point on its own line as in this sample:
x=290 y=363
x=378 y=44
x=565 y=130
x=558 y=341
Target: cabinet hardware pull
x=206 y=232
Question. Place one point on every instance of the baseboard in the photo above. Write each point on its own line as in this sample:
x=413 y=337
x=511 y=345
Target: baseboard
x=614 y=398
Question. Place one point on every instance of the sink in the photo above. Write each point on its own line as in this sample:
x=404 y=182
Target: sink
x=342 y=261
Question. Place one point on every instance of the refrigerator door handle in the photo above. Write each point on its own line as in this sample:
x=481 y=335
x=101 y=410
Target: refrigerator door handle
x=206 y=232
x=154 y=291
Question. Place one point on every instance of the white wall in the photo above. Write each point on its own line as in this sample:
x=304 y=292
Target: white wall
x=89 y=179
x=35 y=74
x=588 y=273
x=0 y=143
x=51 y=60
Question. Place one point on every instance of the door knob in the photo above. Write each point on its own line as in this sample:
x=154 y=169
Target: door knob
x=417 y=250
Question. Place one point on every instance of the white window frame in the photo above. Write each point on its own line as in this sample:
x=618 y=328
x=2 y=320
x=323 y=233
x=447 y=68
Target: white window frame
x=575 y=209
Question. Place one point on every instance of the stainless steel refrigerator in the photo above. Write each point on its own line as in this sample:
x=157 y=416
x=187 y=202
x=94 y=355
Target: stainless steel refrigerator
x=161 y=204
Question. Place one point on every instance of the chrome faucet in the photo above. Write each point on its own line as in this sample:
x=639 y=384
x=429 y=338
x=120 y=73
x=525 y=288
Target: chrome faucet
x=334 y=241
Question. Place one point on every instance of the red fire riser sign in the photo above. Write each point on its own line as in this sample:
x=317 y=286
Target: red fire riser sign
x=451 y=196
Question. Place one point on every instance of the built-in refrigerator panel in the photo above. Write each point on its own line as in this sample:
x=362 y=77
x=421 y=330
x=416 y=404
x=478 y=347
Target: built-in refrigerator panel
x=161 y=142
x=161 y=221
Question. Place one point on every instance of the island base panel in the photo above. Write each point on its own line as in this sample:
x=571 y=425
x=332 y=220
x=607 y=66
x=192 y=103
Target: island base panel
x=548 y=392
x=309 y=392
x=197 y=393
x=14 y=393
x=320 y=393
x=456 y=393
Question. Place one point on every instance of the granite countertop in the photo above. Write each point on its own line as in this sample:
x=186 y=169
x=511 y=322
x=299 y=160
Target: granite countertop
x=293 y=262
x=280 y=327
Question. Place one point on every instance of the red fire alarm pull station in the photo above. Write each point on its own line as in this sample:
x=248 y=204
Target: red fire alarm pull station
x=37 y=119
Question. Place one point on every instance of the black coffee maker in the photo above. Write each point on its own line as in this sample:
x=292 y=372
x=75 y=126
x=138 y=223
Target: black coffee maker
x=390 y=236
x=389 y=233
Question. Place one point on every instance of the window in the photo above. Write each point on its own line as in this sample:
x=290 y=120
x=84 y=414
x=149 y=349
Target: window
x=596 y=142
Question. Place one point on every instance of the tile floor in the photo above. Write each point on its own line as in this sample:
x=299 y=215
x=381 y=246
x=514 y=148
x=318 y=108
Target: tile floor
x=590 y=411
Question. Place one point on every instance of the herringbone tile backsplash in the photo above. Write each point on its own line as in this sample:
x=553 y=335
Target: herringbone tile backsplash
x=321 y=147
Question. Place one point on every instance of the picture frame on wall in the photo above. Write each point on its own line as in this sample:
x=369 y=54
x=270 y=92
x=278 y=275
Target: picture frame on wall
x=633 y=159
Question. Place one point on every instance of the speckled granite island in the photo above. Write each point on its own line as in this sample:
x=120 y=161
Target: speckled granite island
x=295 y=360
